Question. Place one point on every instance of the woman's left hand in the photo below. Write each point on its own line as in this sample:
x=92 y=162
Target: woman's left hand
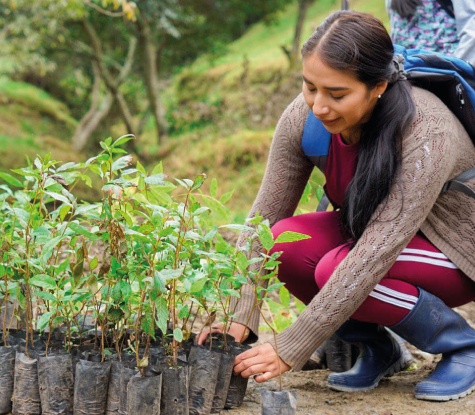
x=260 y=359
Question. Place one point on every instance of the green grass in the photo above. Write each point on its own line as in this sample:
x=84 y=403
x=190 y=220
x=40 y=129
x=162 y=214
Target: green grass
x=262 y=43
x=35 y=99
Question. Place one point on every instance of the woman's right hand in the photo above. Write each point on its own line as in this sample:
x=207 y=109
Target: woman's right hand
x=239 y=331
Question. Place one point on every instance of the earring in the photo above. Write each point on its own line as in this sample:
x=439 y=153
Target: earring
x=379 y=96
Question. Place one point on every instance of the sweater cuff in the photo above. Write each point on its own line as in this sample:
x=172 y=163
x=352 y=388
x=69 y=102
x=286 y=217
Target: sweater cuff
x=297 y=342
x=242 y=307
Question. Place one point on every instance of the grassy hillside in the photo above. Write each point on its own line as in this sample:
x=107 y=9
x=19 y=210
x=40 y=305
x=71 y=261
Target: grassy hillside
x=221 y=112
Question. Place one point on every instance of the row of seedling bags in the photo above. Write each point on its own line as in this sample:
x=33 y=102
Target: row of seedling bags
x=83 y=383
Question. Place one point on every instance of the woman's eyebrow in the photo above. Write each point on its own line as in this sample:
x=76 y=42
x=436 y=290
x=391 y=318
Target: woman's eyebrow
x=328 y=88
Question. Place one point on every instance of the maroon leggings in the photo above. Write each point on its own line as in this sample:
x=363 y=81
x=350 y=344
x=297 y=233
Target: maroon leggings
x=308 y=264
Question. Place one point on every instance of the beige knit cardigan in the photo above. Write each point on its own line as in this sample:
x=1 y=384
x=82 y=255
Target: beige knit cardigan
x=435 y=150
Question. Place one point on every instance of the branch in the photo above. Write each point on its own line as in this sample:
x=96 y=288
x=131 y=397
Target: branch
x=103 y=11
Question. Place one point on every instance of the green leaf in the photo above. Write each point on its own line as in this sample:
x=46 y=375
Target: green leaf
x=242 y=261
x=122 y=163
x=141 y=168
x=44 y=320
x=199 y=180
x=127 y=218
x=184 y=311
x=156 y=179
x=45 y=295
x=162 y=315
x=178 y=334
x=41 y=235
x=240 y=228
x=158 y=169
x=265 y=236
x=284 y=296
x=213 y=188
x=13 y=181
x=93 y=264
x=289 y=236
x=186 y=183
x=59 y=197
x=43 y=281
x=225 y=198
x=63 y=211
x=122 y=140
x=81 y=230
x=68 y=166
x=197 y=286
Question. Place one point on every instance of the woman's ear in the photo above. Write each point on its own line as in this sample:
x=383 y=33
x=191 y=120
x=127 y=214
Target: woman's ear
x=379 y=89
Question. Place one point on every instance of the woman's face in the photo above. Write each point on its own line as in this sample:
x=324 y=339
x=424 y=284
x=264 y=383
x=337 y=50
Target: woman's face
x=337 y=98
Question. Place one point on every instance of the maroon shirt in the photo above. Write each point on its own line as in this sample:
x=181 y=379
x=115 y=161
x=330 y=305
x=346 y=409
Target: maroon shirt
x=340 y=168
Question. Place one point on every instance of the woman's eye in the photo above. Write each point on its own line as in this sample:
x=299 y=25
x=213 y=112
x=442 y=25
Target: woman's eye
x=337 y=98
x=312 y=90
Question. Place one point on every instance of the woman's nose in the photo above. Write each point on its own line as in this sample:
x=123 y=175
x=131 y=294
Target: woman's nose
x=320 y=108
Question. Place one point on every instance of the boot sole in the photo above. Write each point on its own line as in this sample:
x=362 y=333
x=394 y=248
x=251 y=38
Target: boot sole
x=445 y=398
x=398 y=366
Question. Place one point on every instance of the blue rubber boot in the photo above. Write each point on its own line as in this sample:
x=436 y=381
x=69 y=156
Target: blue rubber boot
x=433 y=327
x=381 y=355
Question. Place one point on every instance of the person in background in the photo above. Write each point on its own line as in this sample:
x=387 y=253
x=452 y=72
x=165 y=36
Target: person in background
x=446 y=26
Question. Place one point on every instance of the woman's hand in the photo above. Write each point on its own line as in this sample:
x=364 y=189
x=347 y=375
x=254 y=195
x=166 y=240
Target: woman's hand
x=238 y=331
x=260 y=359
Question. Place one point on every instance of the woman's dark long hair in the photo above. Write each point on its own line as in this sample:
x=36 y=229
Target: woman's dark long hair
x=359 y=44
x=405 y=8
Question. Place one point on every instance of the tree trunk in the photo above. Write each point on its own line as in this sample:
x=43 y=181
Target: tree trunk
x=111 y=84
x=293 y=53
x=151 y=74
x=303 y=7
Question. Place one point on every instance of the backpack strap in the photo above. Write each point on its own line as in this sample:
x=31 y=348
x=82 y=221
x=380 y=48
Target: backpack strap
x=458 y=184
x=316 y=141
x=315 y=144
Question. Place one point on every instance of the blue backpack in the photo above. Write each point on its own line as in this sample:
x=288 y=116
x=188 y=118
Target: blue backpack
x=450 y=78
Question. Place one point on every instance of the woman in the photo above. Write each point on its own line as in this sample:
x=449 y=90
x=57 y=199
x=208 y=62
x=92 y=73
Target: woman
x=396 y=253
x=446 y=26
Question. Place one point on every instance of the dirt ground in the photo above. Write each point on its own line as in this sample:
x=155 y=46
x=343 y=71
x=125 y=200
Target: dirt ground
x=393 y=396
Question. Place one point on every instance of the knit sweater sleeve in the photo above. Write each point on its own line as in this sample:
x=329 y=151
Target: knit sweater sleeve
x=287 y=172
x=428 y=160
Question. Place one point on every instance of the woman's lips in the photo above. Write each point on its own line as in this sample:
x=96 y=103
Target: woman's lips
x=330 y=122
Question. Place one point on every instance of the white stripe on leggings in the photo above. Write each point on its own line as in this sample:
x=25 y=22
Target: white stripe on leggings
x=390 y=300
x=389 y=291
x=424 y=252
x=438 y=262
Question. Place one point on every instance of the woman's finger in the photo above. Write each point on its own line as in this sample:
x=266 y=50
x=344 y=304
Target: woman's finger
x=266 y=376
x=246 y=355
x=246 y=364
x=204 y=334
x=256 y=369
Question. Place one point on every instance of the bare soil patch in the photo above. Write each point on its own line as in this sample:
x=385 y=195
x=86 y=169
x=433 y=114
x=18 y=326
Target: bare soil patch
x=393 y=396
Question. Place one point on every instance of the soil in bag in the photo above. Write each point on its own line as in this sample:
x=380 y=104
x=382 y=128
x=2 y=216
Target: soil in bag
x=90 y=387
x=226 y=365
x=203 y=376
x=144 y=392
x=278 y=403
x=128 y=371
x=7 y=373
x=115 y=390
x=175 y=382
x=113 y=394
x=26 y=392
x=56 y=381
x=238 y=384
